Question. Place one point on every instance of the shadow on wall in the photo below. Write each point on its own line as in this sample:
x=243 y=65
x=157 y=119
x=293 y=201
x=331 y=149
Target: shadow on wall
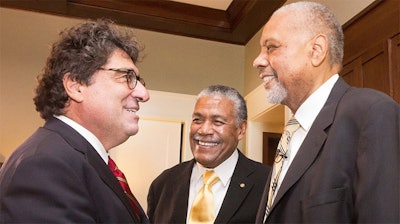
x=2 y=159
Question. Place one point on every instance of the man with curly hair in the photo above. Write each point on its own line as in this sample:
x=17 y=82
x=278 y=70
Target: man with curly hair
x=88 y=95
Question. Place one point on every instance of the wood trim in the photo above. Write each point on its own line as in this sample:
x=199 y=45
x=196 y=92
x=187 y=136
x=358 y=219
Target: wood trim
x=379 y=21
x=237 y=25
x=394 y=66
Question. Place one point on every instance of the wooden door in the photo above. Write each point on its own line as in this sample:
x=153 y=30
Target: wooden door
x=270 y=144
x=395 y=65
x=370 y=69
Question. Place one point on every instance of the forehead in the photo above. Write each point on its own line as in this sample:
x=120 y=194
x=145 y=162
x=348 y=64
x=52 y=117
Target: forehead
x=214 y=105
x=282 y=26
x=120 y=59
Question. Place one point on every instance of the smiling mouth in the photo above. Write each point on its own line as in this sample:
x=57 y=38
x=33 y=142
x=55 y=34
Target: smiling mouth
x=208 y=144
x=131 y=110
x=268 y=78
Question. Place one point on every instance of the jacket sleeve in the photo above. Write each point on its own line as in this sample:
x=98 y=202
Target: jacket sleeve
x=377 y=182
x=45 y=189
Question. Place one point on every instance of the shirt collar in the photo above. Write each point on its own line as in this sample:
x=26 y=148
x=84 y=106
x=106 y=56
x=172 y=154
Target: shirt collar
x=224 y=170
x=89 y=136
x=311 y=107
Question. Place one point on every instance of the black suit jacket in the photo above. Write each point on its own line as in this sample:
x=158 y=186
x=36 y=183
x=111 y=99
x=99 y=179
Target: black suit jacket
x=169 y=193
x=347 y=168
x=57 y=176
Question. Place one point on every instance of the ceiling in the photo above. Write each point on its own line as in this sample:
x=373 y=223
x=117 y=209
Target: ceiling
x=228 y=21
x=215 y=4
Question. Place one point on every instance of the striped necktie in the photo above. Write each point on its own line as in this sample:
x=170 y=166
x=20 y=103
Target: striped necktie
x=280 y=157
x=124 y=184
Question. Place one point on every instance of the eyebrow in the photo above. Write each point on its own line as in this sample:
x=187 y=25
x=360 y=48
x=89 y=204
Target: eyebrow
x=214 y=116
x=269 y=40
x=124 y=68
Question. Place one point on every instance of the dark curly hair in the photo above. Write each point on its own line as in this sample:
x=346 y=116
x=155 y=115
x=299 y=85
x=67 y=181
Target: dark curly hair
x=80 y=51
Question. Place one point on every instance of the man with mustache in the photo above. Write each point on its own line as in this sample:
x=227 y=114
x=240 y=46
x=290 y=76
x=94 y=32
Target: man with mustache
x=219 y=123
x=341 y=164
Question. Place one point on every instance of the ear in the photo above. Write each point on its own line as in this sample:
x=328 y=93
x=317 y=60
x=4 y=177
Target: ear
x=242 y=130
x=73 y=88
x=319 y=50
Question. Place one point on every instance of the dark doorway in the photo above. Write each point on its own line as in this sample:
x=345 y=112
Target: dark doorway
x=270 y=143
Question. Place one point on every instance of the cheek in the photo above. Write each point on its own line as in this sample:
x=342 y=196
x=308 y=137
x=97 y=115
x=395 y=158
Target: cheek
x=193 y=130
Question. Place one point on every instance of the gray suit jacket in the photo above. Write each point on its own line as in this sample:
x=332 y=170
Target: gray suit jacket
x=347 y=169
x=57 y=176
x=169 y=192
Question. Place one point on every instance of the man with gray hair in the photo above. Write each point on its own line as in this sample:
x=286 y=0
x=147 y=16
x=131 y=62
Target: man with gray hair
x=219 y=122
x=339 y=160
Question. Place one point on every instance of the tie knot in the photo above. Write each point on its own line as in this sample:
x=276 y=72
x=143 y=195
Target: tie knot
x=111 y=164
x=292 y=125
x=210 y=177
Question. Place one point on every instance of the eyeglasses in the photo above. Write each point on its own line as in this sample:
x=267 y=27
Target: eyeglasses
x=131 y=77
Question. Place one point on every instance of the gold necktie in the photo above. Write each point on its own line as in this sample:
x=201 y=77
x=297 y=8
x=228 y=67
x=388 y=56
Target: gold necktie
x=280 y=157
x=202 y=210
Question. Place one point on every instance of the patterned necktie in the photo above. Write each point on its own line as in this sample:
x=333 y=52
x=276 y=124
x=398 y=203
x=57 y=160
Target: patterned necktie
x=124 y=184
x=280 y=157
x=202 y=210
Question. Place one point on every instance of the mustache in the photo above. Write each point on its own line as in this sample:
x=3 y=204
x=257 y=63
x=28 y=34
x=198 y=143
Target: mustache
x=271 y=73
x=198 y=137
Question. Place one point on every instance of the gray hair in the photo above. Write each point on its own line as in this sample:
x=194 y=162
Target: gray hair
x=318 y=18
x=230 y=93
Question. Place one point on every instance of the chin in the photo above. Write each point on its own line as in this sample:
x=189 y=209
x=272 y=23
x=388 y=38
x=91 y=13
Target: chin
x=133 y=131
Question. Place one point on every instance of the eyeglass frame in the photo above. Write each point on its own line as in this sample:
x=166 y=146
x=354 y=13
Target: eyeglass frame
x=131 y=77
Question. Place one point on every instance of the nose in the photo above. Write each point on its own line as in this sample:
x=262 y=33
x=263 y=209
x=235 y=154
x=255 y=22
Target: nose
x=260 y=61
x=140 y=92
x=205 y=128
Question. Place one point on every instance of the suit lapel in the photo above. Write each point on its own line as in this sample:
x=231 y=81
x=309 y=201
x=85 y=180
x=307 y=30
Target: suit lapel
x=180 y=193
x=108 y=177
x=314 y=140
x=79 y=143
x=263 y=202
x=237 y=191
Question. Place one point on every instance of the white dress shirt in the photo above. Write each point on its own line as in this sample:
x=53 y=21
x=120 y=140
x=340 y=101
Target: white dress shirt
x=305 y=115
x=89 y=136
x=219 y=189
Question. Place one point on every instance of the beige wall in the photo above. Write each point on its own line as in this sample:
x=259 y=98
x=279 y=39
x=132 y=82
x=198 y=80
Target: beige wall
x=172 y=63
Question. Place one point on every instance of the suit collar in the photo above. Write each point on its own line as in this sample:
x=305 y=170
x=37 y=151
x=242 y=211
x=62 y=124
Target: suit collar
x=181 y=184
x=224 y=170
x=89 y=136
x=79 y=143
x=71 y=136
x=311 y=146
x=238 y=190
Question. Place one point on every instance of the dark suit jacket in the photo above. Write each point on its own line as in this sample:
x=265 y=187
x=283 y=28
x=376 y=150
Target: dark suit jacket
x=347 y=169
x=57 y=176
x=169 y=193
